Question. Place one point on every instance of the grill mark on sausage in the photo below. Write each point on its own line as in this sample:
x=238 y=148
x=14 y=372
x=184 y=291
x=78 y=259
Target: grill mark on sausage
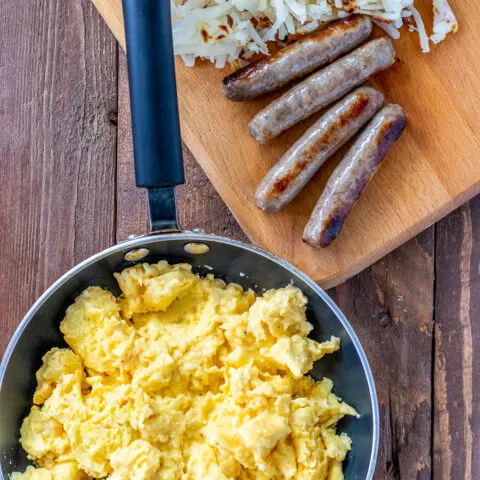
x=333 y=226
x=391 y=131
x=354 y=111
x=283 y=183
x=245 y=72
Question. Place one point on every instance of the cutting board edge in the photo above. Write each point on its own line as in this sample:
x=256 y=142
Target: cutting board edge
x=334 y=280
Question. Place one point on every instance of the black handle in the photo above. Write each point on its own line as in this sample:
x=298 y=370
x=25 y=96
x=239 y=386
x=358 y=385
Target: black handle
x=153 y=94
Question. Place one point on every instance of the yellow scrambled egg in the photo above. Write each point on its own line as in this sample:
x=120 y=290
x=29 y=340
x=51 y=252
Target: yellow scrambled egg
x=184 y=378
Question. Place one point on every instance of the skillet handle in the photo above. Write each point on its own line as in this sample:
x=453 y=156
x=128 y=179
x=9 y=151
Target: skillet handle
x=153 y=94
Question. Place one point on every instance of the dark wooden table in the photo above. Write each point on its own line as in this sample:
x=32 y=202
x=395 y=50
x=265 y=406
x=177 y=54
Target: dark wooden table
x=68 y=191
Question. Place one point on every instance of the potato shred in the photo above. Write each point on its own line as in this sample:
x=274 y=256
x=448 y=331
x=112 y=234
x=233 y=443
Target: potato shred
x=225 y=30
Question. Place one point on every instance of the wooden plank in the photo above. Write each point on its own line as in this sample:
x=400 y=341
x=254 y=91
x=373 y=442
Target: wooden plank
x=131 y=201
x=199 y=205
x=57 y=85
x=418 y=184
x=457 y=345
x=390 y=307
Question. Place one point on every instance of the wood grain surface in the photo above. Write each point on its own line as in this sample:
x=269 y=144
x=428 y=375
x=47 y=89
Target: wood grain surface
x=68 y=191
x=433 y=169
x=390 y=306
x=57 y=148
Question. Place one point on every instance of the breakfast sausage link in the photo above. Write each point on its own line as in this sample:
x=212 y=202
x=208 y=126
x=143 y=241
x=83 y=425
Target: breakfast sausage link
x=297 y=60
x=322 y=88
x=300 y=163
x=352 y=175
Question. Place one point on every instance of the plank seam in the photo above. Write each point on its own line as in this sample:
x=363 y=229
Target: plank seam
x=432 y=374
x=115 y=166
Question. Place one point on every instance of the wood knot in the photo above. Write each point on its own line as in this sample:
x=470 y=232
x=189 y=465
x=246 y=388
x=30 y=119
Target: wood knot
x=113 y=118
x=384 y=319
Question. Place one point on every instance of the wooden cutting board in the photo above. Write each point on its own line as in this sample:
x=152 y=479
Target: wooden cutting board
x=434 y=168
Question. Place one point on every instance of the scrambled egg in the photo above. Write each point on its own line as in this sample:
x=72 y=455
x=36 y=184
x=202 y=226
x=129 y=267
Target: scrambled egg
x=184 y=378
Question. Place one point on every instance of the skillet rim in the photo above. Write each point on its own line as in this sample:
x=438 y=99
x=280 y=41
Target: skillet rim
x=199 y=237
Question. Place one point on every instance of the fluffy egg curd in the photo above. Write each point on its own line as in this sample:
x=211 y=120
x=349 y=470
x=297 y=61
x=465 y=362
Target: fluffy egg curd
x=184 y=378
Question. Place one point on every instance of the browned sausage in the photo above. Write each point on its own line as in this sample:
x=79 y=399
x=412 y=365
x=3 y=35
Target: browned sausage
x=352 y=175
x=322 y=89
x=297 y=60
x=292 y=172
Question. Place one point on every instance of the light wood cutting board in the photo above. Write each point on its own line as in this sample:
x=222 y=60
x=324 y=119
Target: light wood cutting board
x=434 y=168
